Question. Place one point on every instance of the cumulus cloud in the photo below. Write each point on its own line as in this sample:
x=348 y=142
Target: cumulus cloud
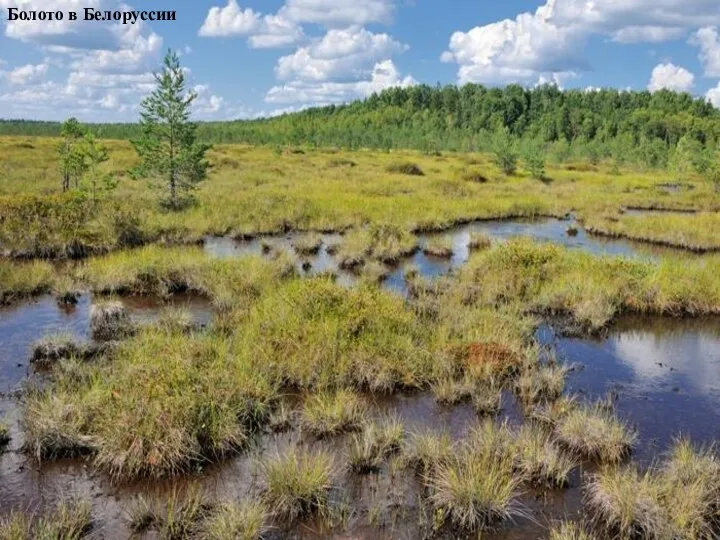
x=384 y=75
x=708 y=40
x=350 y=53
x=516 y=50
x=550 y=40
x=339 y=12
x=713 y=96
x=25 y=74
x=671 y=77
x=262 y=31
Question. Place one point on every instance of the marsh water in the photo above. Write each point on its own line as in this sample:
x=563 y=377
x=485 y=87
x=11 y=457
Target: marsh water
x=662 y=373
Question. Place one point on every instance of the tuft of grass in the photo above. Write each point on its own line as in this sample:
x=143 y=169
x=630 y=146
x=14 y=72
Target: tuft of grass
x=439 y=246
x=175 y=320
x=541 y=383
x=51 y=348
x=479 y=241
x=375 y=272
x=475 y=490
x=308 y=244
x=56 y=425
x=426 y=450
x=594 y=432
x=690 y=479
x=539 y=459
x=297 y=483
x=246 y=520
x=180 y=515
x=451 y=391
x=68 y=520
x=281 y=419
x=327 y=414
x=110 y=320
x=567 y=530
x=406 y=167
x=377 y=441
x=628 y=503
x=20 y=280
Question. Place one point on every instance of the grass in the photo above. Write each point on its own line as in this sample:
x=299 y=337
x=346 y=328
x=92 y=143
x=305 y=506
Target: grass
x=297 y=483
x=541 y=383
x=327 y=414
x=246 y=520
x=627 y=502
x=425 y=450
x=68 y=520
x=52 y=347
x=593 y=432
x=110 y=320
x=567 y=530
x=180 y=515
x=540 y=459
x=20 y=280
x=479 y=241
x=440 y=247
x=408 y=168
x=377 y=441
x=4 y=434
x=476 y=487
x=308 y=244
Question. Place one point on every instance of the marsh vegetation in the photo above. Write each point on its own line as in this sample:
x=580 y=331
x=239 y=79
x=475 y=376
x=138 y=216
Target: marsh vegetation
x=370 y=361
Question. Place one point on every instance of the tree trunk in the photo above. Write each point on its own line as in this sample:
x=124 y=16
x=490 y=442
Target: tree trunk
x=173 y=190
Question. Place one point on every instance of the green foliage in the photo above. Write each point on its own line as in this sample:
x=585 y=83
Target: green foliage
x=94 y=181
x=168 y=146
x=72 y=163
x=535 y=160
x=505 y=152
x=467 y=118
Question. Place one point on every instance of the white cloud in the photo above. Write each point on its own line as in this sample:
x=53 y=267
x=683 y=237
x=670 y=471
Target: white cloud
x=339 y=12
x=25 y=74
x=350 y=53
x=551 y=40
x=517 y=50
x=713 y=96
x=648 y=34
x=384 y=75
x=230 y=20
x=263 y=31
x=671 y=77
x=708 y=40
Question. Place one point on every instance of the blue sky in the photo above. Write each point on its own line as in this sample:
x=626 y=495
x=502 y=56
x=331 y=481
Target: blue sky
x=249 y=58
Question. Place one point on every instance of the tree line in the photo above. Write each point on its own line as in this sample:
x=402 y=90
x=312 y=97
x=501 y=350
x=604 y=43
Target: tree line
x=645 y=128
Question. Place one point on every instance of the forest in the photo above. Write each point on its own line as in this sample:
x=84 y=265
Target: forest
x=642 y=128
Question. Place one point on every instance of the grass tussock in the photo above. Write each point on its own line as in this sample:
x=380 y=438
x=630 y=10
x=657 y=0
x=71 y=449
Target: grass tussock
x=567 y=530
x=68 y=520
x=297 y=483
x=479 y=241
x=407 y=167
x=327 y=414
x=246 y=520
x=594 y=432
x=540 y=459
x=180 y=515
x=540 y=383
x=51 y=348
x=20 y=280
x=308 y=244
x=110 y=320
x=425 y=450
x=440 y=247
x=377 y=441
x=477 y=487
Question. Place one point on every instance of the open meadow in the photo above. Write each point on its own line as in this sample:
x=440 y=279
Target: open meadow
x=366 y=344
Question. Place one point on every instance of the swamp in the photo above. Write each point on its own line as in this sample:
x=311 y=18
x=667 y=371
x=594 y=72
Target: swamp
x=319 y=350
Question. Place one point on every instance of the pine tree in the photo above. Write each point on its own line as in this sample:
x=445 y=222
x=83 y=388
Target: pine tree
x=505 y=152
x=168 y=147
x=95 y=181
x=70 y=153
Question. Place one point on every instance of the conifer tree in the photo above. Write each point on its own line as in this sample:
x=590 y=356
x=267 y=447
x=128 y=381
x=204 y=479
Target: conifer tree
x=168 y=146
